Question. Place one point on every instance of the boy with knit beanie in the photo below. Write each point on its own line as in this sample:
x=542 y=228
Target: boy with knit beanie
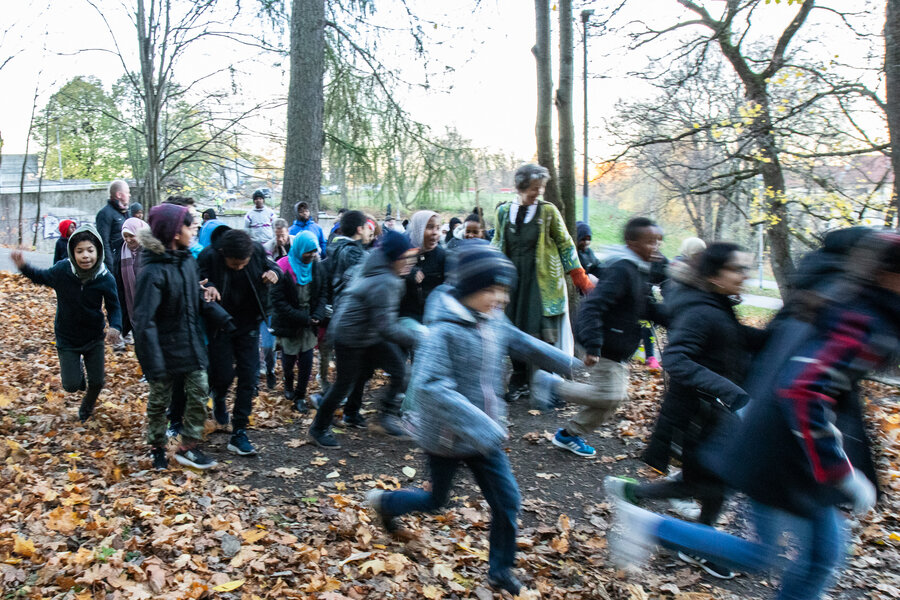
x=168 y=336
x=458 y=415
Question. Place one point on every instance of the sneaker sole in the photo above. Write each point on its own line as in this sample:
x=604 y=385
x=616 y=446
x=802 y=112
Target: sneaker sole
x=238 y=451
x=188 y=463
x=559 y=444
x=692 y=561
x=321 y=445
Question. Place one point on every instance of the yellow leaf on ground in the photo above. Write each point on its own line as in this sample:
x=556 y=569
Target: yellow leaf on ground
x=251 y=536
x=23 y=547
x=442 y=570
x=375 y=565
x=431 y=592
x=229 y=586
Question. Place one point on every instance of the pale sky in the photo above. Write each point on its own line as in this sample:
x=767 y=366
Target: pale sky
x=489 y=97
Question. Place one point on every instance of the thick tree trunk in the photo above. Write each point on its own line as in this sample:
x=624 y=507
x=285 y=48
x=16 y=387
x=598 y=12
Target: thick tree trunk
x=303 y=153
x=564 y=113
x=892 y=93
x=544 y=126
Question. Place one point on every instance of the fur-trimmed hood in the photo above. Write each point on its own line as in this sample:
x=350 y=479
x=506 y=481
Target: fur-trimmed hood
x=149 y=242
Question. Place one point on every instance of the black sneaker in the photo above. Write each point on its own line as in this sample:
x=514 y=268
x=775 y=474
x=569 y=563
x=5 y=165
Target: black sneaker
x=300 y=404
x=373 y=499
x=240 y=443
x=505 y=581
x=356 y=421
x=271 y=381
x=87 y=403
x=516 y=394
x=160 y=460
x=173 y=431
x=324 y=439
x=193 y=457
x=288 y=393
x=220 y=412
x=716 y=570
x=391 y=426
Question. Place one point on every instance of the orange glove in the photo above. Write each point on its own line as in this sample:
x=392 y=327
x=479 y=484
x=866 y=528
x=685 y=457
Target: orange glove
x=581 y=281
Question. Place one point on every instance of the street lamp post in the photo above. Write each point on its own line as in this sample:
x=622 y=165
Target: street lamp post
x=585 y=15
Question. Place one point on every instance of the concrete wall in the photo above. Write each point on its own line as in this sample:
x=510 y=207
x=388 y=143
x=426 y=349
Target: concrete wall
x=79 y=202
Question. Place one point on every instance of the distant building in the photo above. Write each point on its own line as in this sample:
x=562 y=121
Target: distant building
x=11 y=168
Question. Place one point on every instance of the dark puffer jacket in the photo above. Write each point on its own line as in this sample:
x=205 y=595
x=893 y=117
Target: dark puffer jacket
x=168 y=310
x=804 y=428
x=79 y=305
x=432 y=266
x=707 y=359
x=343 y=254
x=287 y=316
x=367 y=314
x=608 y=322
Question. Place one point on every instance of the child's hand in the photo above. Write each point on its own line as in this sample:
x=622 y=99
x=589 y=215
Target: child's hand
x=270 y=277
x=18 y=258
x=590 y=360
x=113 y=336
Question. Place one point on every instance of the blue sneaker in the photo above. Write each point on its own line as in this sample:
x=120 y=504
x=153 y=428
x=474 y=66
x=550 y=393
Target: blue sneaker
x=240 y=444
x=573 y=444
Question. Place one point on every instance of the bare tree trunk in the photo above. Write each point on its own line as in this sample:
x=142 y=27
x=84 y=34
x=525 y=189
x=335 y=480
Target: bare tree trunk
x=153 y=94
x=43 y=169
x=564 y=111
x=892 y=92
x=544 y=126
x=25 y=163
x=303 y=154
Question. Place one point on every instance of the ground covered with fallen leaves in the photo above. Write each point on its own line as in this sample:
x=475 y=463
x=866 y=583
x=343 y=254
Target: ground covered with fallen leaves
x=84 y=517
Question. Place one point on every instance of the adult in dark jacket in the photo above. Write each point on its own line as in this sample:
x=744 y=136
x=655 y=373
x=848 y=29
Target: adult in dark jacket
x=239 y=271
x=168 y=332
x=707 y=359
x=366 y=334
x=61 y=250
x=109 y=222
x=608 y=328
x=299 y=301
x=788 y=452
x=428 y=272
x=83 y=285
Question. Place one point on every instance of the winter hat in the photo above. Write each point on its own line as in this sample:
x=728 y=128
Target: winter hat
x=135 y=208
x=394 y=245
x=86 y=232
x=479 y=265
x=166 y=221
x=691 y=247
x=64 y=226
x=582 y=230
x=209 y=214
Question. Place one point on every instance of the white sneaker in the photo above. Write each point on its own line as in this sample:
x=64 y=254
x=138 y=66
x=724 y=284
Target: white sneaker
x=686 y=509
x=631 y=541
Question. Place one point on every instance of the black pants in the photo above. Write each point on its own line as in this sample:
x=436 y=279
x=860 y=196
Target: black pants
x=72 y=372
x=230 y=355
x=350 y=364
x=304 y=362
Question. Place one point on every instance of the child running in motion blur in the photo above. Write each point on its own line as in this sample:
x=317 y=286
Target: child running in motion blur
x=83 y=286
x=458 y=414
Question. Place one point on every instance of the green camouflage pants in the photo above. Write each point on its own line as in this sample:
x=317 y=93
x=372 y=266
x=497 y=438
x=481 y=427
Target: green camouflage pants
x=196 y=389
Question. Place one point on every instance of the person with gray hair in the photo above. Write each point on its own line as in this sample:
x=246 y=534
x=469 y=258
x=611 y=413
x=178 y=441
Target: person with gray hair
x=531 y=232
x=279 y=246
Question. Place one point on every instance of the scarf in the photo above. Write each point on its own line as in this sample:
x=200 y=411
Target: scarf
x=304 y=242
x=132 y=226
x=417 y=225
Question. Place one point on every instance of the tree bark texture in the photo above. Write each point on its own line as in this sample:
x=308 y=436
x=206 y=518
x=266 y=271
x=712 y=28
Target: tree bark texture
x=544 y=125
x=152 y=92
x=892 y=93
x=303 y=152
x=564 y=111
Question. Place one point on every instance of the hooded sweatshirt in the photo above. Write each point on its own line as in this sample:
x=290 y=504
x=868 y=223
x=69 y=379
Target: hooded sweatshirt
x=80 y=296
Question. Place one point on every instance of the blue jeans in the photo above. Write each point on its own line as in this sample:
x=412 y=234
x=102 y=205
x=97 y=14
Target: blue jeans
x=495 y=478
x=820 y=542
x=267 y=344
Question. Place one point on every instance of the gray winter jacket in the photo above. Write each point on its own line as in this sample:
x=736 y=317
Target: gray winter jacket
x=455 y=395
x=367 y=312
